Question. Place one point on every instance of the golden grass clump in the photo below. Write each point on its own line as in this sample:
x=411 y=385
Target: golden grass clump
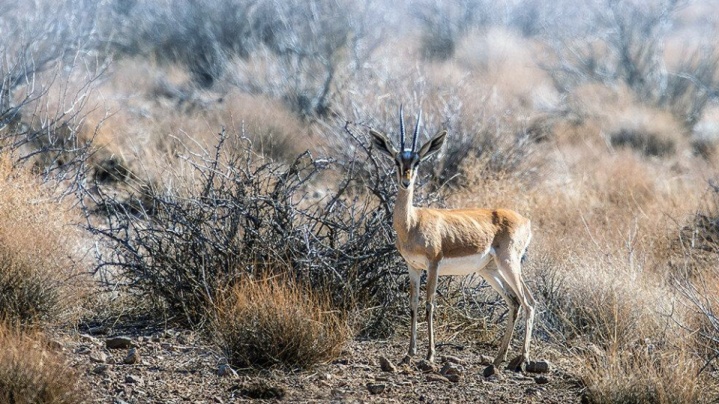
x=640 y=374
x=31 y=373
x=268 y=323
x=39 y=278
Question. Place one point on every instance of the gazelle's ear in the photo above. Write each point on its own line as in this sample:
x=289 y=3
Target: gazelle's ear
x=380 y=141
x=432 y=146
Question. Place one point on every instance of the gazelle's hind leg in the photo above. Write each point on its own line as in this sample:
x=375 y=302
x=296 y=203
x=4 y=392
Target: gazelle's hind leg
x=495 y=279
x=510 y=271
x=529 y=318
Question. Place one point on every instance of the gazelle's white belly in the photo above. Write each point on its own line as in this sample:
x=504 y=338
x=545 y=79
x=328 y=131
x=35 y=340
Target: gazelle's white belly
x=452 y=266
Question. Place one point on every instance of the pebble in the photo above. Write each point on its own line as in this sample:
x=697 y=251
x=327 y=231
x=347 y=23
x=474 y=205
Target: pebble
x=134 y=379
x=538 y=366
x=490 y=370
x=226 y=370
x=376 y=388
x=133 y=357
x=426 y=366
x=541 y=379
x=433 y=377
x=450 y=369
x=118 y=343
x=386 y=365
x=98 y=357
x=453 y=377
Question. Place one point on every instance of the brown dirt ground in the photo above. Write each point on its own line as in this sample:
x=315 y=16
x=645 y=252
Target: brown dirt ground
x=179 y=367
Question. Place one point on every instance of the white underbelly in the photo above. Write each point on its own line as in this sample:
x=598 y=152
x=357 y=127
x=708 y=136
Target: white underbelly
x=453 y=266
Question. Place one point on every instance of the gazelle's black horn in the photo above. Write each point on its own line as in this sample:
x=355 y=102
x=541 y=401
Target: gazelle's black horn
x=416 y=130
x=401 y=128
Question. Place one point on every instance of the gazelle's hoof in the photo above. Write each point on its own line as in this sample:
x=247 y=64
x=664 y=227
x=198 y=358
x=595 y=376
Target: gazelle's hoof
x=515 y=364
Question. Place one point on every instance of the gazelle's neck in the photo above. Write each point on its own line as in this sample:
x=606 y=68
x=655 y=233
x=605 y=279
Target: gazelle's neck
x=405 y=214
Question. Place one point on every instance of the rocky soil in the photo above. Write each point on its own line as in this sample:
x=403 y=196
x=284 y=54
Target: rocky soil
x=169 y=366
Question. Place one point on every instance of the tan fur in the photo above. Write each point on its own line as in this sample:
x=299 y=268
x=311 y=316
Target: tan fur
x=458 y=242
x=451 y=233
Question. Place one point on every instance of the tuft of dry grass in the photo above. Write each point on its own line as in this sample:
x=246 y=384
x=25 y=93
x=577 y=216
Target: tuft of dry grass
x=640 y=374
x=267 y=323
x=39 y=276
x=31 y=373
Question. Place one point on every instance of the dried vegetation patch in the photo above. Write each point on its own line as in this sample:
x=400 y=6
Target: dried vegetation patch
x=268 y=323
x=40 y=277
x=31 y=373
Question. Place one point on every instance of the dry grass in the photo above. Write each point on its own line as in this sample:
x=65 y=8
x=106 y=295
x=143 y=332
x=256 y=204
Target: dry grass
x=641 y=374
x=31 y=373
x=267 y=323
x=40 y=276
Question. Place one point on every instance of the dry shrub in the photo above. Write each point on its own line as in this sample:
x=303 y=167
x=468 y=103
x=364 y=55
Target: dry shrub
x=640 y=374
x=267 y=323
x=702 y=295
x=39 y=276
x=31 y=373
x=242 y=215
x=602 y=300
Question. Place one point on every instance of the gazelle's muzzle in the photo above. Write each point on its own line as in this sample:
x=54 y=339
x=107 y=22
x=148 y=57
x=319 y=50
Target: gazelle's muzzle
x=405 y=179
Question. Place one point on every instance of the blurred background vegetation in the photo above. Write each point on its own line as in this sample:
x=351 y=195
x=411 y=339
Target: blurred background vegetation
x=199 y=148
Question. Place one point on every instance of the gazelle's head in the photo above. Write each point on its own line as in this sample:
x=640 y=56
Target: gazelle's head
x=407 y=160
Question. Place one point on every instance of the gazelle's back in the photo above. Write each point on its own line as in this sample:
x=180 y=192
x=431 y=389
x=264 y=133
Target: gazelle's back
x=452 y=233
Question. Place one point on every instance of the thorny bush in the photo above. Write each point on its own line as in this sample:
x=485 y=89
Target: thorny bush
x=249 y=217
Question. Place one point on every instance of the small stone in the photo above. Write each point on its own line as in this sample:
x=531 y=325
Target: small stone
x=454 y=378
x=134 y=379
x=100 y=369
x=450 y=369
x=433 y=377
x=452 y=359
x=376 y=388
x=88 y=338
x=83 y=350
x=226 y=370
x=538 y=366
x=426 y=366
x=55 y=345
x=133 y=357
x=97 y=330
x=541 y=379
x=98 y=357
x=118 y=343
x=532 y=392
x=490 y=370
x=486 y=360
x=386 y=365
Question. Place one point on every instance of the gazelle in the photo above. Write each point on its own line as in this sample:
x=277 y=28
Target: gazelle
x=457 y=242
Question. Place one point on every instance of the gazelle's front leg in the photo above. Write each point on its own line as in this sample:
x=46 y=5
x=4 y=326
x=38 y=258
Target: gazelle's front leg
x=414 y=281
x=432 y=275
